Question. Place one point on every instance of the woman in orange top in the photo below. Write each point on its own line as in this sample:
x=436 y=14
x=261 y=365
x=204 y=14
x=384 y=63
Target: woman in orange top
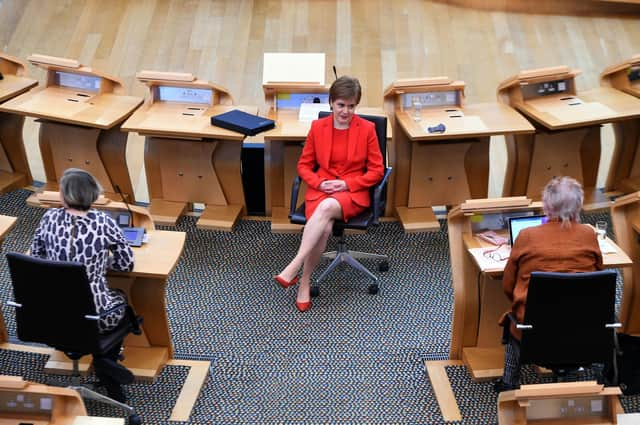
x=340 y=161
x=560 y=245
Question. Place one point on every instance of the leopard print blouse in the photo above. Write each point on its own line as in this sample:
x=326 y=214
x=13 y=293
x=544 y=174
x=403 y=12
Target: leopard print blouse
x=93 y=236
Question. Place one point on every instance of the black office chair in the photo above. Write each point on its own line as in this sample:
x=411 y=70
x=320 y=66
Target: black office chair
x=54 y=306
x=569 y=321
x=369 y=217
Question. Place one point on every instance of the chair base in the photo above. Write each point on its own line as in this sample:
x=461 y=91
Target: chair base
x=344 y=255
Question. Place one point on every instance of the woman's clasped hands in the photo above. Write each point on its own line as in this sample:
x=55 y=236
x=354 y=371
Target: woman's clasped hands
x=333 y=186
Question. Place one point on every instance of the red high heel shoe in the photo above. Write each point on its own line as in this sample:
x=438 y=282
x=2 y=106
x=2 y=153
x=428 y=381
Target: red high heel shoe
x=285 y=283
x=302 y=307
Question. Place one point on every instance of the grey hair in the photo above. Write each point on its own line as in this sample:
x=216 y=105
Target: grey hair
x=79 y=189
x=562 y=198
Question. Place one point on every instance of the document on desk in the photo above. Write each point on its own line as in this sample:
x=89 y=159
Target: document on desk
x=606 y=247
x=309 y=111
x=490 y=258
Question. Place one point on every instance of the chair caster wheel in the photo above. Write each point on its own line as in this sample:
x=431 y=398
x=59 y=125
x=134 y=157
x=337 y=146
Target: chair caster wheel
x=383 y=266
x=135 y=420
x=315 y=291
x=373 y=288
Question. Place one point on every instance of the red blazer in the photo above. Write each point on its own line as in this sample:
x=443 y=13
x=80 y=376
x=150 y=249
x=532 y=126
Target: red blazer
x=364 y=167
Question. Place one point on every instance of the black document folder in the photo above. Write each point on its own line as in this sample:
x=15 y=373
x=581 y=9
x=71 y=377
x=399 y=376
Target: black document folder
x=242 y=122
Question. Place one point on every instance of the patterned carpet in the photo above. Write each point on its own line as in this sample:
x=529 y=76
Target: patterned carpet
x=354 y=358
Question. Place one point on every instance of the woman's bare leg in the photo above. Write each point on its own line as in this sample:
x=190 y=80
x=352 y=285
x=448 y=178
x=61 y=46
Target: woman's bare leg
x=317 y=229
x=310 y=263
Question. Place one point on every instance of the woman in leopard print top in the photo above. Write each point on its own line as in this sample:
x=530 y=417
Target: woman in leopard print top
x=78 y=233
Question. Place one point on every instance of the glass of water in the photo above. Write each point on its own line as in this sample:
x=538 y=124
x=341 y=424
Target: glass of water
x=416 y=102
x=601 y=229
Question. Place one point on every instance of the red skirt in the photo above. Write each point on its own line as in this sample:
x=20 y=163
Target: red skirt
x=349 y=208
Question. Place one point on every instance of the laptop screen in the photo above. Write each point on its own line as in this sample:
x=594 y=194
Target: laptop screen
x=517 y=224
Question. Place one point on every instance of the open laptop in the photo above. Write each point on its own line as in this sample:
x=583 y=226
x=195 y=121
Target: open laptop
x=517 y=224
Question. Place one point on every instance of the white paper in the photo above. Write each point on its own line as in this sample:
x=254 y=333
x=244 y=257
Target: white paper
x=628 y=418
x=606 y=247
x=310 y=111
x=293 y=68
x=490 y=258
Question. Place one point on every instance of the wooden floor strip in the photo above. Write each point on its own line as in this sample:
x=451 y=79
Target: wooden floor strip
x=191 y=389
x=442 y=388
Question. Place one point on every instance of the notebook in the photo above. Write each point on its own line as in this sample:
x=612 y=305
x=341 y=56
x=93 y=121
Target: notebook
x=242 y=122
x=517 y=224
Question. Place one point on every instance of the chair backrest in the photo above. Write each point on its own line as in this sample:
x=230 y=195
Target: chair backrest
x=54 y=296
x=569 y=313
x=381 y=130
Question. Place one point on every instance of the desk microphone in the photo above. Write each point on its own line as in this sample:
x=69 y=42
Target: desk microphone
x=126 y=204
x=335 y=72
x=440 y=128
x=133 y=235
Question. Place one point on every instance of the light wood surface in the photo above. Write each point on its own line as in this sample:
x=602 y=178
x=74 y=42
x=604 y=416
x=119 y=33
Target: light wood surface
x=168 y=119
x=442 y=388
x=599 y=105
x=101 y=111
x=15 y=80
x=480 y=119
x=479 y=300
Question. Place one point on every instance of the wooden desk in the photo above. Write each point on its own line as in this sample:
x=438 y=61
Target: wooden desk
x=624 y=174
x=80 y=112
x=29 y=402
x=145 y=287
x=441 y=168
x=186 y=158
x=6 y=224
x=282 y=148
x=14 y=167
x=479 y=300
x=567 y=140
x=625 y=216
x=563 y=403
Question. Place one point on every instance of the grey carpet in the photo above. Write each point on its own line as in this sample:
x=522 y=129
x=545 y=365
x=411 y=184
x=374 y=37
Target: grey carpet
x=353 y=358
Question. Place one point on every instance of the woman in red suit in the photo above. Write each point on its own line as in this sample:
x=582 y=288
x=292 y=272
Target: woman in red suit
x=340 y=161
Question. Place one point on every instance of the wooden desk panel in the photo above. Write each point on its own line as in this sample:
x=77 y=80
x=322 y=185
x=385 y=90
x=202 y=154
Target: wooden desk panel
x=599 y=105
x=481 y=119
x=168 y=119
x=6 y=224
x=12 y=86
x=625 y=216
x=14 y=167
x=53 y=103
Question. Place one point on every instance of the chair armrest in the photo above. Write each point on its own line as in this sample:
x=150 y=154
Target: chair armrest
x=295 y=190
x=378 y=192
